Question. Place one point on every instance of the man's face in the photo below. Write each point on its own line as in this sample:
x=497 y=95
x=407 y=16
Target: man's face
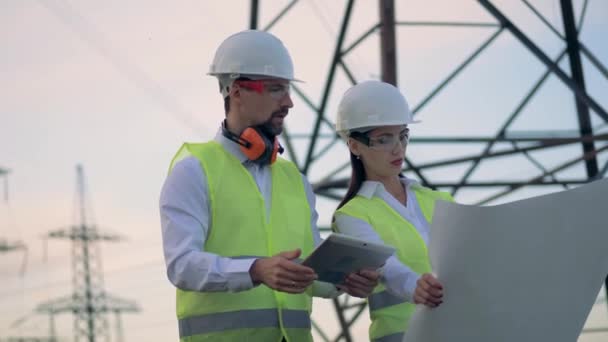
x=265 y=102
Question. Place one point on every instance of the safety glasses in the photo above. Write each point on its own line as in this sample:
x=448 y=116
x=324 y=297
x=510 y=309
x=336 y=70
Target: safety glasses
x=384 y=142
x=277 y=91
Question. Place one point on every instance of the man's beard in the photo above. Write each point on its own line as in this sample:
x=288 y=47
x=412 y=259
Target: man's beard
x=269 y=129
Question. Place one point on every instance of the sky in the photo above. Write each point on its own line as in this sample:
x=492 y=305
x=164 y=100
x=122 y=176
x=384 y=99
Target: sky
x=117 y=87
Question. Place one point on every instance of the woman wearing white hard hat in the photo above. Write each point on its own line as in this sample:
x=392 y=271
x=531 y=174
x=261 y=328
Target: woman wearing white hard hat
x=381 y=205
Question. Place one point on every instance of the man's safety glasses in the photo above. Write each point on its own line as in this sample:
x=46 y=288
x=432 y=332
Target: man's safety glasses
x=277 y=91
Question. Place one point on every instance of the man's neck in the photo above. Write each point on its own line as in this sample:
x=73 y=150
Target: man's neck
x=234 y=124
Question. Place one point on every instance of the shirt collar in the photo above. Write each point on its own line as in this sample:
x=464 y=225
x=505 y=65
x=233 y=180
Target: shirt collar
x=230 y=146
x=374 y=188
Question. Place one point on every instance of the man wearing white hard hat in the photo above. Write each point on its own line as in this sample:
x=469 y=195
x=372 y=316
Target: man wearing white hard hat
x=235 y=216
x=381 y=205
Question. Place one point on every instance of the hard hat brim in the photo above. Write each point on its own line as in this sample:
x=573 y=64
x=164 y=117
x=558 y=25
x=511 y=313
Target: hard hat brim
x=255 y=77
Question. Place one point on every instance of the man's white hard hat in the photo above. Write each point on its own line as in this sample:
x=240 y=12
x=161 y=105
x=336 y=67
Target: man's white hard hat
x=252 y=53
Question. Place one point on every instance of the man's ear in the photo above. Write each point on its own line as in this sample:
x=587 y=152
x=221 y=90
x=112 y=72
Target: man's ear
x=235 y=91
x=235 y=95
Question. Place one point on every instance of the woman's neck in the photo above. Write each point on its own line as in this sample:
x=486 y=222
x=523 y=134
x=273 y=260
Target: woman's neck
x=394 y=187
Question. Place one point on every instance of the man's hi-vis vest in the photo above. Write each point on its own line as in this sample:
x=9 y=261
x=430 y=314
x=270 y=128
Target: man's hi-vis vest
x=390 y=314
x=239 y=229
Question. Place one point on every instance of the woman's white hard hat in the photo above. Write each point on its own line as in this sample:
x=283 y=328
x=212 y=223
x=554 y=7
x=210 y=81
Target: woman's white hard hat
x=371 y=104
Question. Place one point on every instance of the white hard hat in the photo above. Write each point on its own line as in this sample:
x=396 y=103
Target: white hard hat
x=370 y=104
x=255 y=53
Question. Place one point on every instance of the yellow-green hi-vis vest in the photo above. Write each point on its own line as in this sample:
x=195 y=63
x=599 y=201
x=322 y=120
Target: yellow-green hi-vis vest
x=390 y=314
x=239 y=228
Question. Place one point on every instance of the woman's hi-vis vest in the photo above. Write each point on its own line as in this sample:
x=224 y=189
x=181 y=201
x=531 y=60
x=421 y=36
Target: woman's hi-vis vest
x=239 y=229
x=390 y=314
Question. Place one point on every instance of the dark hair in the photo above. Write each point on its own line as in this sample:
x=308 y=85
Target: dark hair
x=356 y=179
x=227 y=98
x=227 y=104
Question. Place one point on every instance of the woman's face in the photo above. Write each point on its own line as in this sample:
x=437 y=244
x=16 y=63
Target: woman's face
x=383 y=151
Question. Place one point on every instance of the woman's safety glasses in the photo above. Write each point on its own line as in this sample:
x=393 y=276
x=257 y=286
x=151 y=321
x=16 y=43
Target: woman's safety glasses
x=277 y=91
x=384 y=142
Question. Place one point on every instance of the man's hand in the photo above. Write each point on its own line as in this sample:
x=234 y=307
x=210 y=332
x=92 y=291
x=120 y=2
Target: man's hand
x=281 y=273
x=428 y=291
x=360 y=284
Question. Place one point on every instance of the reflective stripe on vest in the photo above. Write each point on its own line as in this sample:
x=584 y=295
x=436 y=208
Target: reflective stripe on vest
x=245 y=319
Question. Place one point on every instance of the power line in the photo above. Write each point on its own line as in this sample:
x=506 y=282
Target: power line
x=92 y=37
x=65 y=283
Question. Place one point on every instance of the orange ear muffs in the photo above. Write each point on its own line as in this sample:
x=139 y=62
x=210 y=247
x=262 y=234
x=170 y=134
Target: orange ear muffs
x=260 y=148
x=255 y=145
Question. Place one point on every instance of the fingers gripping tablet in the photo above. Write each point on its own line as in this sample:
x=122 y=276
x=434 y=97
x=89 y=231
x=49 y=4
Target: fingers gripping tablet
x=340 y=255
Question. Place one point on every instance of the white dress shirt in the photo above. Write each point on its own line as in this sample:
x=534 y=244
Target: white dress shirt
x=399 y=279
x=186 y=221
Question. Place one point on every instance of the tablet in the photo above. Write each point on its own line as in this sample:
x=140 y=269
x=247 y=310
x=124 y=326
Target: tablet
x=339 y=255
